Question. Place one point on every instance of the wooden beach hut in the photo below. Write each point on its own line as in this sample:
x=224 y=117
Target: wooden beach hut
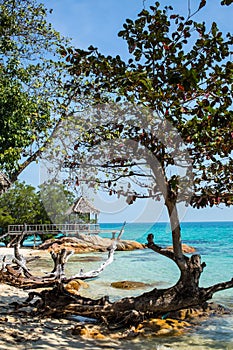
x=82 y=211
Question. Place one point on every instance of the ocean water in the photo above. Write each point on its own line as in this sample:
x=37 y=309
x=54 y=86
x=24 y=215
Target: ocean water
x=212 y=240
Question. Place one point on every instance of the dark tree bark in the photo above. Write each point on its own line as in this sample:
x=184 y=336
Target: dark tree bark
x=60 y=302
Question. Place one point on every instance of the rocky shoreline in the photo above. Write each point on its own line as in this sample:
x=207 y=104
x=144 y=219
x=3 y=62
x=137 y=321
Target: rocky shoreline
x=83 y=243
x=172 y=324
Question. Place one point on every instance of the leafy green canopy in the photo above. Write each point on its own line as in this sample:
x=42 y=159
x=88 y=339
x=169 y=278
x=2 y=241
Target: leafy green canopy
x=16 y=109
x=56 y=201
x=31 y=81
x=21 y=204
x=180 y=70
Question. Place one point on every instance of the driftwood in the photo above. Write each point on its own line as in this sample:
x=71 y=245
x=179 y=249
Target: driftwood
x=60 y=301
x=18 y=274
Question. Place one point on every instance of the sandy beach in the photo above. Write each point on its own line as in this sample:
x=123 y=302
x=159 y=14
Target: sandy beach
x=18 y=331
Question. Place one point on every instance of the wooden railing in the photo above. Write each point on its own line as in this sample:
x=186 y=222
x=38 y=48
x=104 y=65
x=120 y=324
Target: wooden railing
x=53 y=228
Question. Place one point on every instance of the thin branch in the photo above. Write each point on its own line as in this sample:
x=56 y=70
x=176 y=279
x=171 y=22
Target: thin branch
x=189 y=8
x=218 y=287
x=120 y=177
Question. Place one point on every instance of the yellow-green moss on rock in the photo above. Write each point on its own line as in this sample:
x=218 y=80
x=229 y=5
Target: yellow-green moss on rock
x=128 y=285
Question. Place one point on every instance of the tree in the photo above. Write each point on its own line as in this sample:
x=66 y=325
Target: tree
x=5 y=219
x=31 y=83
x=179 y=81
x=21 y=204
x=56 y=200
x=171 y=122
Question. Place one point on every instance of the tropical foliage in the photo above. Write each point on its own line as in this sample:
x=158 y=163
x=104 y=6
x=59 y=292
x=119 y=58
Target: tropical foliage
x=56 y=200
x=31 y=83
x=21 y=204
x=181 y=71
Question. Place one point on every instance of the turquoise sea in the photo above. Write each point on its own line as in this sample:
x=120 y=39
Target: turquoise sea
x=212 y=240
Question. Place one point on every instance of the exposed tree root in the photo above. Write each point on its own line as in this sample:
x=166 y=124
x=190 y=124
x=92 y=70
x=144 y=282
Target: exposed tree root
x=60 y=302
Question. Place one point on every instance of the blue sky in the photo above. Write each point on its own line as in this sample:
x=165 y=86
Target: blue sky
x=97 y=22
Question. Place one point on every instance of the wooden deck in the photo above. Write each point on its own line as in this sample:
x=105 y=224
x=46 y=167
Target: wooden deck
x=53 y=228
x=66 y=229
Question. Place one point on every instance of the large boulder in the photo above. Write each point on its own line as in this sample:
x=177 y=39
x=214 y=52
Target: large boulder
x=186 y=249
x=83 y=243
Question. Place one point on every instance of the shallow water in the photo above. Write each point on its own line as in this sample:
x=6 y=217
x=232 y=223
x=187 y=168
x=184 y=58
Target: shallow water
x=146 y=266
x=214 y=241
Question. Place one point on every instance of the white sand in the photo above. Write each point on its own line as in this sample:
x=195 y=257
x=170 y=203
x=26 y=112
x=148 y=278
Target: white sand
x=18 y=331
x=9 y=252
x=23 y=332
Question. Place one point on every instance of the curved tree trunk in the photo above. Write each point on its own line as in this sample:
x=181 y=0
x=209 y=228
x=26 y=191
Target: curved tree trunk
x=170 y=198
x=190 y=268
x=60 y=301
x=131 y=310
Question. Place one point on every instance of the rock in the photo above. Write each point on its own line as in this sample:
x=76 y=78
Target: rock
x=88 y=243
x=129 y=245
x=128 y=285
x=74 y=286
x=160 y=327
x=148 y=328
x=186 y=249
x=88 y=332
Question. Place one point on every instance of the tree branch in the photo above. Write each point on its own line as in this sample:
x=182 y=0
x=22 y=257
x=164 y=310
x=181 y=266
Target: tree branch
x=217 y=287
x=169 y=254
